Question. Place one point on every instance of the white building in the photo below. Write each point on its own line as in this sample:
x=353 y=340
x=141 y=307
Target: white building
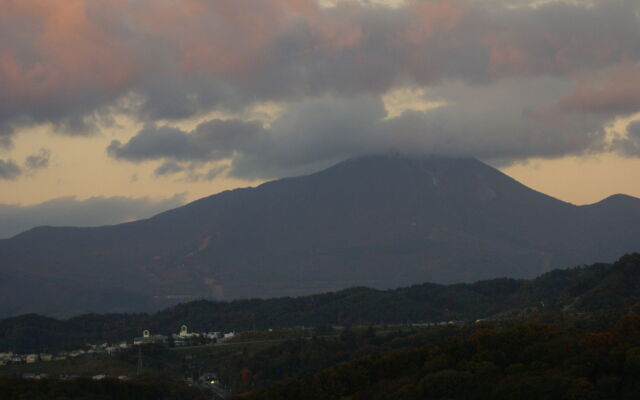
x=184 y=333
x=148 y=338
x=185 y=338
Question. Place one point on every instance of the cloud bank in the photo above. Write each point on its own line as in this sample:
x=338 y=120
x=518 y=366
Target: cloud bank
x=69 y=211
x=316 y=132
x=517 y=82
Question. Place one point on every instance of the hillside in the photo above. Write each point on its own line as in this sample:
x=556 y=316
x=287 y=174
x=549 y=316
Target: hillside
x=606 y=289
x=525 y=361
x=377 y=221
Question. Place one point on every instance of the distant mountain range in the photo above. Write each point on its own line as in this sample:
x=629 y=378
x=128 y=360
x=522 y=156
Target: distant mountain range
x=376 y=221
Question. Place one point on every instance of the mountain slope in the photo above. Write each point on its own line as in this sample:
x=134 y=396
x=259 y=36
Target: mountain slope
x=378 y=221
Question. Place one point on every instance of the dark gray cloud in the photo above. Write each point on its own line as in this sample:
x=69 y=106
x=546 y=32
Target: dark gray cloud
x=5 y=142
x=193 y=171
x=9 y=170
x=629 y=145
x=491 y=122
x=633 y=129
x=168 y=168
x=170 y=62
x=196 y=173
x=212 y=140
x=38 y=160
x=69 y=211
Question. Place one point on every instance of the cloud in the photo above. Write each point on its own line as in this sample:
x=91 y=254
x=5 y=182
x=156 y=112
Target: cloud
x=540 y=79
x=69 y=211
x=629 y=145
x=615 y=91
x=5 y=142
x=168 y=168
x=193 y=172
x=212 y=140
x=73 y=63
x=9 y=170
x=38 y=160
x=503 y=126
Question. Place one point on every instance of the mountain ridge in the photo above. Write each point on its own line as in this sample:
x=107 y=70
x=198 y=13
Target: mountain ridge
x=615 y=198
x=608 y=290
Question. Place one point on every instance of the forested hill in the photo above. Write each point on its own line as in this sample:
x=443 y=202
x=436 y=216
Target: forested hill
x=526 y=361
x=608 y=288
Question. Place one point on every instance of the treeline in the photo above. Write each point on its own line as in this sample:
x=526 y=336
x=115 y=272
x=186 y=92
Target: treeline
x=298 y=358
x=245 y=370
x=606 y=288
x=106 y=389
x=527 y=361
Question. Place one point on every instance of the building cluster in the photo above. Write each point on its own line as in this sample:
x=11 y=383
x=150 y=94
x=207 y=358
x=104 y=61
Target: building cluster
x=15 y=358
x=90 y=350
x=183 y=338
x=64 y=377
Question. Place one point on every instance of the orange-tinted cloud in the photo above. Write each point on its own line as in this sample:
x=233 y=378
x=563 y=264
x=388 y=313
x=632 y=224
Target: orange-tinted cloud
x=80 y=47
x=66 y=52
x=79 y=50
x=62 y=62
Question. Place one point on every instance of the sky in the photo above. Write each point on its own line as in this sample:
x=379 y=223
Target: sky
x=115 y=110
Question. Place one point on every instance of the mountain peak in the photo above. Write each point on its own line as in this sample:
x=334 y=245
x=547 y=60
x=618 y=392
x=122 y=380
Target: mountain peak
x=619 y=198
x=379 y=221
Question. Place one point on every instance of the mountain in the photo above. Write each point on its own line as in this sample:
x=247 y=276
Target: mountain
x=601 y=292
x=375 y=221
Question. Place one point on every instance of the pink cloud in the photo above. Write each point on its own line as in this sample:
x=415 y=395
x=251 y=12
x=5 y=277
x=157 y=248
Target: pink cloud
x=615 y=90
x=431 y=16
x=506 y=57
x=105 y=46
x=68 y=53
x=76 y=56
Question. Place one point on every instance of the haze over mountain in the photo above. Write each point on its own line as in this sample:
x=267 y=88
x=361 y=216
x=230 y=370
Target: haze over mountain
x=376 y=221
